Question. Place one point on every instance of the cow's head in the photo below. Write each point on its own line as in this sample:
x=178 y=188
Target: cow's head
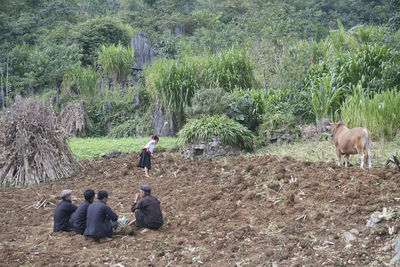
x=332 y=127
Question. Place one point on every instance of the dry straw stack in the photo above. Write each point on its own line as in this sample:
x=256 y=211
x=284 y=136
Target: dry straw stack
x=74 y=119
x=33 y=148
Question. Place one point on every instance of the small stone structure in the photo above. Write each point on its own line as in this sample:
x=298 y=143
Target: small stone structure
x=279 y=136
x=207 y=149
x=309 y=132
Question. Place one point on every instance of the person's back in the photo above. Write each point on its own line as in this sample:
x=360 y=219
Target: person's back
x=78 y=218
x=63 y=211
x=100 y=218
x=151 y=209
x=147 y=211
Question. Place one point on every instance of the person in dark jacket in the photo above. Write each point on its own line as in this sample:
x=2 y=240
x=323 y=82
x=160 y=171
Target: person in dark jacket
x=147 y=210
x=78 y=218
x=101 y=220
x=63 y=211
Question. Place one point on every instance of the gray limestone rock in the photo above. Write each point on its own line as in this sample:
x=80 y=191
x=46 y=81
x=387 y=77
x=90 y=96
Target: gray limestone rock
x=375 y=218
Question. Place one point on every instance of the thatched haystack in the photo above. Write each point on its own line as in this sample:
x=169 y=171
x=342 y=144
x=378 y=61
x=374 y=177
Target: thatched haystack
x=33 y=147
x=74 y=119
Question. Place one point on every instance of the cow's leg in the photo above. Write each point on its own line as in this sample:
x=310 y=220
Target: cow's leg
x=360 y=151
x=368 y=153
x=362 y=159
x=339 y=157
x=346 y=160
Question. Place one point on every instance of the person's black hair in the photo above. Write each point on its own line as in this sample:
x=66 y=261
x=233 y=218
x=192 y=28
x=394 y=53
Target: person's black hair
x=102 y=194
x=89 y=194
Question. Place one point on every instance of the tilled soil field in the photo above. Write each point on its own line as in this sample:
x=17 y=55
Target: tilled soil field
x=248 y=210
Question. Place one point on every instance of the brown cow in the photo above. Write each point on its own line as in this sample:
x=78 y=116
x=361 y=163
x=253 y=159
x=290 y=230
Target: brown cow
x=351 y=141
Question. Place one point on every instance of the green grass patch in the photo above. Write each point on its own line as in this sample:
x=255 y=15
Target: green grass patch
x=88 y=148
x=325 y=151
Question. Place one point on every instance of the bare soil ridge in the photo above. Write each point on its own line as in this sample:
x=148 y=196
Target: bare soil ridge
x=252 y=210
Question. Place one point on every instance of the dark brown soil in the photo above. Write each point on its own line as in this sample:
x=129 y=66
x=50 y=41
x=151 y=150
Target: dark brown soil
x=250 y=210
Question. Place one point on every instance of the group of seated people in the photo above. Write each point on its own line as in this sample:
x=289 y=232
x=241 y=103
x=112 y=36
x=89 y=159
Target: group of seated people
x=97 y=220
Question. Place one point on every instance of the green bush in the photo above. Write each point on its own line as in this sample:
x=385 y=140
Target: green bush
x=116 y=61
x=96 y=32
x=40 y=67
x=206 y=101
x=380 y=113
x=126 y=129
x=84 y=80
x=102 y=110
x=283 y=109
x=242 y=108
x=225 y=129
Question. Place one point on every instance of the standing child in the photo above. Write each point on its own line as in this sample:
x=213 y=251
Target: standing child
x=147 y=151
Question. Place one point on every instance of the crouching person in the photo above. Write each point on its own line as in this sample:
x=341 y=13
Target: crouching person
x=147 y=210
x=101 y=220
x=63 y=212
x=78 y=218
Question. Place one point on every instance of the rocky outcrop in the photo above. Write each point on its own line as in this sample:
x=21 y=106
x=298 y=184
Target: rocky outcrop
x=143 y=51
x=161 y=124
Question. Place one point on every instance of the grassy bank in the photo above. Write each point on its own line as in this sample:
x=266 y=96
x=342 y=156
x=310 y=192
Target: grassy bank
x=88 y=148
x=325 y=151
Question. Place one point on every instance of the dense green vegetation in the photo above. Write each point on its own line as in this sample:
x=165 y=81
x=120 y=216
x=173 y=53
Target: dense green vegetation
x=227 y=130
x=264 y=64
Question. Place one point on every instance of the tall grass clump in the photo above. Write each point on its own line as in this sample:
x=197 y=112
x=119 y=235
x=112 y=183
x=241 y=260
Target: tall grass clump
x=85 y=80
x=324 y=96
x=174 y=82
x=380 y=113
x=227 y=130
x=229 y=70
x=116 y=61
x=376 y=66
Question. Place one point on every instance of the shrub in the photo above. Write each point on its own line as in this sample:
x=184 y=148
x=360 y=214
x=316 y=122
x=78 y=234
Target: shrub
x=85 y=80
x=116 y=61
x=126 y=129
x=96 y=32
x=206 y=101
x=380 y=113
x=41 y=67
x=225 y=129
x=242 y=108
x=283 y=109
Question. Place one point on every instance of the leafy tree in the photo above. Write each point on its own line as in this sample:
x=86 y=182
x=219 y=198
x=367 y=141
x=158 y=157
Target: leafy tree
x=96 y=32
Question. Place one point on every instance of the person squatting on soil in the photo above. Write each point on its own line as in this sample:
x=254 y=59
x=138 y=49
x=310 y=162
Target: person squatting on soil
x=146 y=153
x=78 y=218
x=101 y=220
x=147 y=210
x=63 y=211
